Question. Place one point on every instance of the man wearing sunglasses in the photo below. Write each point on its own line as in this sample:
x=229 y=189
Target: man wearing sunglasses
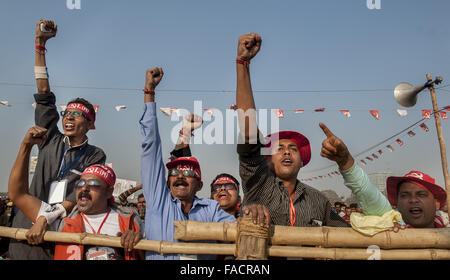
x=225 y=190
x=62 y=156
x=174 y=198
x=95 y=211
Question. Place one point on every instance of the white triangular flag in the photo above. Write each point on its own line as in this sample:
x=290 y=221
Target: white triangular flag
x=120 y=107
x=6 y=103
x=402 y=113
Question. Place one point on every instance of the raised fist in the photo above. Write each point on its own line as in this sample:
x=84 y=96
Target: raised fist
x=334 y=149
x=191 y=122
x=35 y=135
x=248 y=46
x=153 y=77
x=45 y=29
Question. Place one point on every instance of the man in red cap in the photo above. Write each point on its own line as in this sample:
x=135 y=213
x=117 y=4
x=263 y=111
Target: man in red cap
x=174 y=198
x=94 y=212
x=417 y=198
x=62 y=156
x=272 y=181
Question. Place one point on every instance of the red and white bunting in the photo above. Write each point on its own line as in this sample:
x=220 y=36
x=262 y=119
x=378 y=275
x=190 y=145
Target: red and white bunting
x=369 y=158
x=411 y=133
x=380 y=152
x=447 y=107
x=299 y=111
x=374 y=156
x=424 y=127
x=120 y=107
x=389 y=147
x=399 y=142
x=443 y=115
x=319 y=110
x=63 y=107
x=375 y=114
x=96 y=107
x=346 y=113
x=233 y=107
x=363 y=162
x=426 y=114
x=402 y=113
x=210 y=111
x=279 y=113
x=5 y=103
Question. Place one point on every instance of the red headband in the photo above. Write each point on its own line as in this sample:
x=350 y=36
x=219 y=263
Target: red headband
x=224 y=179
x=104 y=172
x=82 y=108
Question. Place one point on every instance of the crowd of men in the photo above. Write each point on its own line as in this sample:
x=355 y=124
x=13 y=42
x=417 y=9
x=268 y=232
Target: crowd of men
x=71 y=190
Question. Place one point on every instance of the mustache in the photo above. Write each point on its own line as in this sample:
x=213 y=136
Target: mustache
x=84 y=194
x=180 y=182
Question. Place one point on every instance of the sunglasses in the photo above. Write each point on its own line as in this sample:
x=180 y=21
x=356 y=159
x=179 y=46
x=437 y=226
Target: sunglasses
x=186 y=173
x=75 y=114
x=90 y=183
x=228 y=186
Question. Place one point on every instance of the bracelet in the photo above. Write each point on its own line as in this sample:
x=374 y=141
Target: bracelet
x=181 y=133
x=241 y=61
x=148 y=91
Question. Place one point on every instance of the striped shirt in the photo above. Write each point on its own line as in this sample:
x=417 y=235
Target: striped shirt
x=261 y=185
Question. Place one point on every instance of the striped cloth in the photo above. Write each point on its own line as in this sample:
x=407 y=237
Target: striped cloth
x=260 y=185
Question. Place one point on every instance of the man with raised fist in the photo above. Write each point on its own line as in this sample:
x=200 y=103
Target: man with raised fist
x=174 y=198
x=62 y=156
x=271 y=179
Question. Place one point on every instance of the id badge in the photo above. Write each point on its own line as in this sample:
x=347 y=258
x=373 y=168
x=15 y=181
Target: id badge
x=100 y=254
x=57 y=192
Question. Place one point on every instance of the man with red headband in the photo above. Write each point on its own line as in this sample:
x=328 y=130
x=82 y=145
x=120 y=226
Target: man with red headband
x=95 y=211
x=272 y=180
x=174 y=199
x=62 y=156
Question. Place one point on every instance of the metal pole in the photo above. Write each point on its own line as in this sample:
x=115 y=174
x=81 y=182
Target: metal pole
x=437 y=119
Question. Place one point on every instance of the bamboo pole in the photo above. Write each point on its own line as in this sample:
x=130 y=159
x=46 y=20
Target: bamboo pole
x=164 y=247
x=443 y=150
x=320 y=236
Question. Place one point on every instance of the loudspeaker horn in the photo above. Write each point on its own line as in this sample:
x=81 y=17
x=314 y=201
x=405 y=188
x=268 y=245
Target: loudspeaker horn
x=406 y=94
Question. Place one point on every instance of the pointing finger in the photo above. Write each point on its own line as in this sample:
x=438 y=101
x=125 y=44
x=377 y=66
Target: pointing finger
x=325 y=130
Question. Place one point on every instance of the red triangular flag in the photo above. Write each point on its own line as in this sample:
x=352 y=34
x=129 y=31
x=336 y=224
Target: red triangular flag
x=380 y=152
x=375 y=156
x=346 y=113
x=411 y=133
x=319 y=110
x=299 y=111
x=399 y=142
x=369 y=158
x=424 y=127
x=443 y=115
x=426 y=114
x=280 y=113
x=375 y=114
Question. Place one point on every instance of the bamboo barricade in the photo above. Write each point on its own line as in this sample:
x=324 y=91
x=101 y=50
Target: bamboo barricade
x=164 y=247
x=320 y=236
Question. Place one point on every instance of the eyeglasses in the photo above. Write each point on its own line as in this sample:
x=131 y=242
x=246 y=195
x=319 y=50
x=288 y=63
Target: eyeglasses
x=228 y=186
x=90 y=183
x=186 y=173
x=75 y=114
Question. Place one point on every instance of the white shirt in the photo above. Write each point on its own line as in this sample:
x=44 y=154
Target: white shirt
x=110 y=227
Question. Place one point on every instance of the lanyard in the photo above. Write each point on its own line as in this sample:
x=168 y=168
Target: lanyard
x=101 y=225
x=64 y=167
x=292 y=213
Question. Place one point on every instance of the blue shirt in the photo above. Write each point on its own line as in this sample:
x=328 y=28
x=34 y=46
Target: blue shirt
x=163 y=209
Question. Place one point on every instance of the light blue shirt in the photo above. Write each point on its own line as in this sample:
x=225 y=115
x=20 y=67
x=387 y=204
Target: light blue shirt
x=371 y=200
x=163 y=209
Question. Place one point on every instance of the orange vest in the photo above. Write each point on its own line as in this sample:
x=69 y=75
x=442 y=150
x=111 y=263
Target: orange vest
x=68 y=251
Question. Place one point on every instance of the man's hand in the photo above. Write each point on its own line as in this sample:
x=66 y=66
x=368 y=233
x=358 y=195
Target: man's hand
x=153 y=77
x=42 y=36
x=248 y=46
x=334 y=149
x=397 y=227
x=35 y=135
x=191 y=122
x=129 y=239
x=36 y=233
x=259 y=213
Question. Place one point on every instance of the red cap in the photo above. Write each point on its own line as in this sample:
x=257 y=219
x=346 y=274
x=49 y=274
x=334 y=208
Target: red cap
x=190 y=163
x=104 y=172
x=301 y=141
x=419 y=178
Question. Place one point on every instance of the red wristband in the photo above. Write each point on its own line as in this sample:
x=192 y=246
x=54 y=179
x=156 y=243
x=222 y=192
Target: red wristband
x=241 y=61
x=181 y=133
x=148 y=91
x=40 y=48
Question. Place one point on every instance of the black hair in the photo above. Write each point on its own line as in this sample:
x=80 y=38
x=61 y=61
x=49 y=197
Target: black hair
x=337 y=203
x=353 y=205
x=85 y=103
x=225 y=175
x=141 y=195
